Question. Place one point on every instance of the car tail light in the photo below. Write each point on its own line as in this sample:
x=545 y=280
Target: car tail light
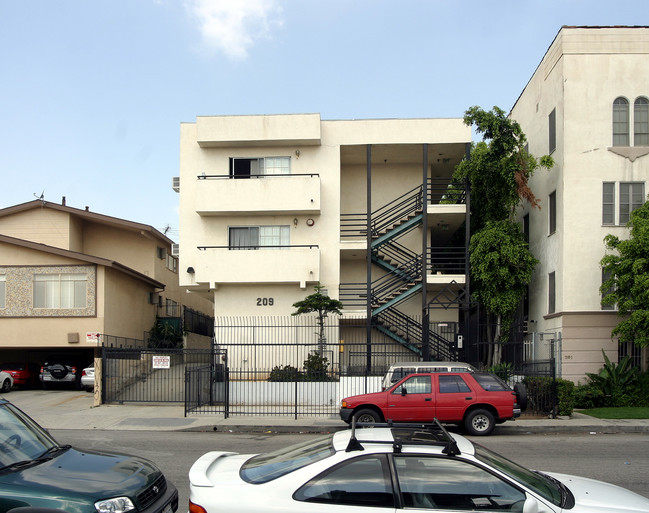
x=195 y=508
x=42 y=369
x=73 y=370
x=83 y=373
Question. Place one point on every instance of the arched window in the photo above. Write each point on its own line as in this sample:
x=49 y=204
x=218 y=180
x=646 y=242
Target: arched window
x=621 y=122
x=641 y=122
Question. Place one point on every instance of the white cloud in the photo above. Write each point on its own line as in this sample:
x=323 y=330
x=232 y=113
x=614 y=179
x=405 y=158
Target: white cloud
x=233 y=26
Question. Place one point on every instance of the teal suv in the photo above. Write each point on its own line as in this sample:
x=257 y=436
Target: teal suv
x=35 y=471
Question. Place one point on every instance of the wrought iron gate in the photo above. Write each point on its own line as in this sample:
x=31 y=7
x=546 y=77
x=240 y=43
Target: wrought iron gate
x=193 y=377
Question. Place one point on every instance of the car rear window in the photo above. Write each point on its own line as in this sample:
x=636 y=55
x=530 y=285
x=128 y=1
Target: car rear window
x=491 y=383
x=266 y=467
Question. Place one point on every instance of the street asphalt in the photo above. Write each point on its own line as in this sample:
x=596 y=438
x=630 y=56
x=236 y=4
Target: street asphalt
x=68 y=409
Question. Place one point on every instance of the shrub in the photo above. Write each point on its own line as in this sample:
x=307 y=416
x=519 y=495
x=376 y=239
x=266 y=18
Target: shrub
x=616 y=382
x=285 y=373
x=316 y=367
x=565 y=396
x=588 y=396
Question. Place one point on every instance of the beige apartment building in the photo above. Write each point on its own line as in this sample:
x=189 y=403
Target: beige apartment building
x=587 y=104
x=272 y=205
x=72 y=279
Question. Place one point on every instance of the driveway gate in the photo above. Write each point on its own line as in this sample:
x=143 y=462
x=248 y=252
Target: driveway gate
x=193 y=377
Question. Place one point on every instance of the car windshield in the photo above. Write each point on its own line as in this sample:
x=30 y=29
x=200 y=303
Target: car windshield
x=538 y=483
x=266 y=467
x=21 y=439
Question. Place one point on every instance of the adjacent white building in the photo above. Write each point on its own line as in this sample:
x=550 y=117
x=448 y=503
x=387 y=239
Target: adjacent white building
x=587 y=105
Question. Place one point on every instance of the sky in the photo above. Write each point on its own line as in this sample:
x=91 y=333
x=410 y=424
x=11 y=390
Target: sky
x=93 y=92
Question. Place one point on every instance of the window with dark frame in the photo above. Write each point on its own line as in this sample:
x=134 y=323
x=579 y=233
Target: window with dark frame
x=641 y=122
x=241 y=167
x=552 y=130
x=551 y=293
x=552 y=212
x=608 y=203
x=621 y=122
x=605 y=276
x=631 y=197
x=256 y=237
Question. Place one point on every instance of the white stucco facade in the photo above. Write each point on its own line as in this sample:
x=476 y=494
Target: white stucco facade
x=314 y=177
x=581 y=75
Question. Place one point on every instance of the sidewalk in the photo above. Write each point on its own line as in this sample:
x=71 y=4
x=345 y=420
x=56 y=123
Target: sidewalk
x=54 y=409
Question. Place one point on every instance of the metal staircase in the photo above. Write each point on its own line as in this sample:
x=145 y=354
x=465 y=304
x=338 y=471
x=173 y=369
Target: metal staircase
x=403 y=270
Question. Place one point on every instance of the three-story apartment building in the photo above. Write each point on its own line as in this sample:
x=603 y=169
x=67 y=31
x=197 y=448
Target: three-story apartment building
x=272 y=205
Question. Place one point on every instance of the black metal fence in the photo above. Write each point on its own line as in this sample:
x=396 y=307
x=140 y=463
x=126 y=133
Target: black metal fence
x=140 y=374
x=287 y=366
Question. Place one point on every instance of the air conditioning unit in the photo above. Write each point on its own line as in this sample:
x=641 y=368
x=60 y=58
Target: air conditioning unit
x=175 y=250
x=526 y=327
x=154 y=298
x=175 y=183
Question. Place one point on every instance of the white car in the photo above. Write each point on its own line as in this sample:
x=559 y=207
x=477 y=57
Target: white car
x=88 y=378
x=6 y=382
x=388 y=469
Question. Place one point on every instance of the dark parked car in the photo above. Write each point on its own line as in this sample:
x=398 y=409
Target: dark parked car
x=478 y=401
x=24 y=374
x=35 y=471
x=60 y=372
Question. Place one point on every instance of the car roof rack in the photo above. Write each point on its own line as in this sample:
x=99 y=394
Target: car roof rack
x=407 y=434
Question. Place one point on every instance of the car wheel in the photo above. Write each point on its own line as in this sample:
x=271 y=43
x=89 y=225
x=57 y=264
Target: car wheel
x=521 y=396
x=479 y=422
x=6 y=386
x=367 y=416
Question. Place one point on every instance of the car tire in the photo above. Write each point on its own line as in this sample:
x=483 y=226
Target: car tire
x=479 y=422
x=521 y=396
x=58 y=371
x=6 y=386
x=367 y=416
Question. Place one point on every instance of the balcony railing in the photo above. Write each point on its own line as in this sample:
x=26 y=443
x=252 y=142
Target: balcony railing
x=299 y=263
x=257 y=194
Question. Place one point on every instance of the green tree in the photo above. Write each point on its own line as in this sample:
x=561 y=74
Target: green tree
x=499 y=171
x=321 y=304
x=501 y=267
x=627 y=286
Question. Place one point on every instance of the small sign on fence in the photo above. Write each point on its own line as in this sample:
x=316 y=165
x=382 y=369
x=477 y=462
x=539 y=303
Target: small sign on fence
x=161 y=362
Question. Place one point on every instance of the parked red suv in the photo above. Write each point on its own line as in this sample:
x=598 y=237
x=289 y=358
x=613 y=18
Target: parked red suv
x=479 y=401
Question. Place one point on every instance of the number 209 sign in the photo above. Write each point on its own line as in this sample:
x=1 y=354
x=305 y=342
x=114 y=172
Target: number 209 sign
x=161 y=362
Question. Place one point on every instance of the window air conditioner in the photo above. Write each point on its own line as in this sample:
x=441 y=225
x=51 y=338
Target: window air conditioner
x=175 y=183
x=175 y=250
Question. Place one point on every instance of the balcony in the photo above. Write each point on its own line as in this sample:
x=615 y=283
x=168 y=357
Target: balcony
x=285 y=264
x=223 y=195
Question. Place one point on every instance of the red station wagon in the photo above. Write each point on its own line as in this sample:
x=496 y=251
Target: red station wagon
x=479 y=401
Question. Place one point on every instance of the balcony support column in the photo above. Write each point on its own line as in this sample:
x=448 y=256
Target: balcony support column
x=368 y=209
x=425 y=328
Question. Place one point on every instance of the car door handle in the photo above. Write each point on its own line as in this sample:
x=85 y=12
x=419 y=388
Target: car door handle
x=428 y=399
x=468 y=398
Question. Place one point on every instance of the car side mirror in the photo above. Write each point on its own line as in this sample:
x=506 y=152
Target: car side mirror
x=403 y=391
x=533 y=506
